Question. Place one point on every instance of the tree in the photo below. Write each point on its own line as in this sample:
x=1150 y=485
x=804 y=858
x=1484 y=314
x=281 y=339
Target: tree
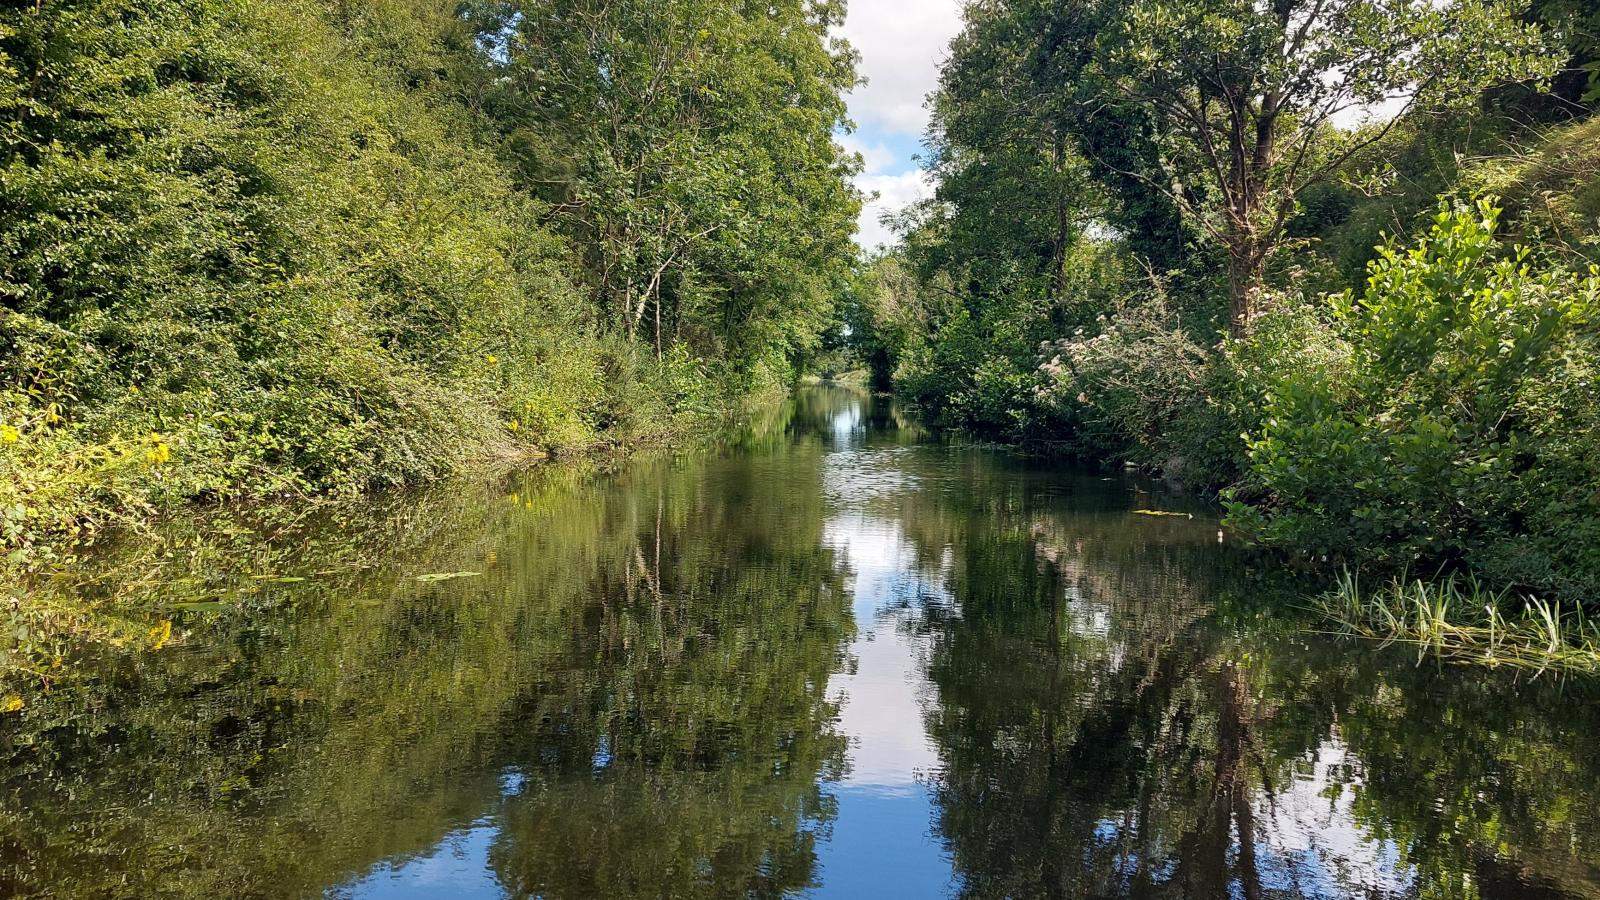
x=1247 y=97
x=694 y=161
x=1014 y=191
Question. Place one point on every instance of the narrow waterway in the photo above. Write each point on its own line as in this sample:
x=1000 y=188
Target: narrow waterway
x=835 y=657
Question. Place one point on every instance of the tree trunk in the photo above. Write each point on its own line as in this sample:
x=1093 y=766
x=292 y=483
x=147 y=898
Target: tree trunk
x=1245 y=275
x=1058 y=252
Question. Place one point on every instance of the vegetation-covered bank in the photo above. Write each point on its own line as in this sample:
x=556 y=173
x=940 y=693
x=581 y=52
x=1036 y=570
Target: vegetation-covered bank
x=277 y=248
x=1333 y=261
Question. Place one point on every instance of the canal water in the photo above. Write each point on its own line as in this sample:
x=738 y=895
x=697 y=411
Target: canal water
x=833 y=657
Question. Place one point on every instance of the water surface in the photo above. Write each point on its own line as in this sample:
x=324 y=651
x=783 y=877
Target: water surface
x=835 y=658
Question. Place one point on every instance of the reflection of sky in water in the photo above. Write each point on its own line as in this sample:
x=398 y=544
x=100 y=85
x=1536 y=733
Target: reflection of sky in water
x=847 y=425
x=882 y=843
x=853 y=478
x=1310 y=833
x=1307 y=844
x=457 y=866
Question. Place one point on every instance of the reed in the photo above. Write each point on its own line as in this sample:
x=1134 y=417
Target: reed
x=1461 y=619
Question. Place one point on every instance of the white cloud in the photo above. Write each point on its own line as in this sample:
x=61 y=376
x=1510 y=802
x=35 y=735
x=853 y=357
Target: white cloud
x=1371 y=113
x=877 y=156
x=902 y=44
x=894 y=192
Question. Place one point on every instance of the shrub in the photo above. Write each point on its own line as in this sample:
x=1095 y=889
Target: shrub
x=1135 y=389
x=1460 y=429
x=1144 y=390
x=275 y=235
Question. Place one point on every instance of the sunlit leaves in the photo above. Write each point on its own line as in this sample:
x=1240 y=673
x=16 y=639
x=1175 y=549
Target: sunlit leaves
x=1457 y=435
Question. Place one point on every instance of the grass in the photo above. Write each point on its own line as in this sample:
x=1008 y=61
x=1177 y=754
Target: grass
x=1460 y=619
x=1552 y=192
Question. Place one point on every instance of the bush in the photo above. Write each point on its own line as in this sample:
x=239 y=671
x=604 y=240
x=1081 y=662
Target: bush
x=277 y=236
x=1135 y=390
x=1459 y=429
x=1144 y=390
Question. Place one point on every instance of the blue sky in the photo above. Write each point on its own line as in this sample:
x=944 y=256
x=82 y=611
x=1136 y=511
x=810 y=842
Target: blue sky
x=902 y=43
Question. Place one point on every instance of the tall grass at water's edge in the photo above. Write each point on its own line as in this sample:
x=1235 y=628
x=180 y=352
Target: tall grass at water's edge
x=1461 y=619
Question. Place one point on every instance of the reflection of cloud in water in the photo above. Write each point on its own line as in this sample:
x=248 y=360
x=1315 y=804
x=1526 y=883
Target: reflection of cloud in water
x=885 y=808
x=882 y=564
x=1089 y=620
x=1314 y=844
x=881 y=712
x=884 y=693
x=853 y=478
x=1307 y=840
x=846 y=425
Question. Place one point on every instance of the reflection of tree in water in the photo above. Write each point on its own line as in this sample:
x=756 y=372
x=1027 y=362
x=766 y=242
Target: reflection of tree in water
x=681 y=746
x=648 y=652
x=1116 y=719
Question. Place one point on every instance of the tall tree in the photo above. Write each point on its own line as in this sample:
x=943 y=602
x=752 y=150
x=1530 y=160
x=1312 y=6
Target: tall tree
x=697 y=173
x=1015 y=191
x=1247 y=97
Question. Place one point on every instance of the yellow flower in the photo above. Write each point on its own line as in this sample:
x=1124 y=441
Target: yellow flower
x=160 y=634
x=9 y=434
x=158 y=451
x=513 y=425
x=492 y=359
x=12 y=704
x=133 y=389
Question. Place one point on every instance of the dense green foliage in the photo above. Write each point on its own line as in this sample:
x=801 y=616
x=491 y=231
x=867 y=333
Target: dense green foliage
x=1143 y=208
x=271 y=247
x=1459 y=425
x=695 y=164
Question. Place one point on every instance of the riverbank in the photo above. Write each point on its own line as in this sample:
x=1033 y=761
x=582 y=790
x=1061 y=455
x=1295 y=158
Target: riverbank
x=63 y=485
x=117 y=588
x=292 y=250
